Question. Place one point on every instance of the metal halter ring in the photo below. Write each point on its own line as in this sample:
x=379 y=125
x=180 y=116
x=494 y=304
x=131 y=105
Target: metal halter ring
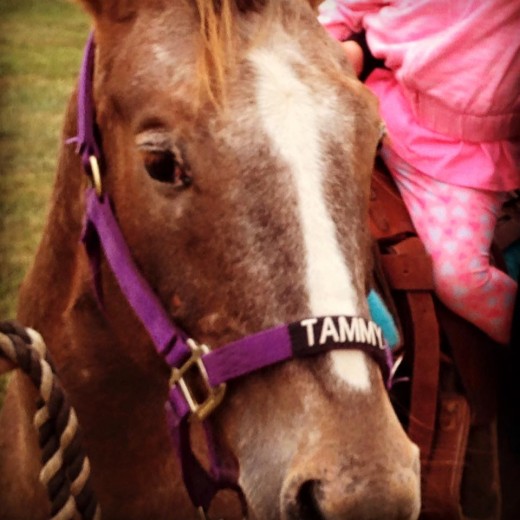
x=213 y=395
x=96 y=175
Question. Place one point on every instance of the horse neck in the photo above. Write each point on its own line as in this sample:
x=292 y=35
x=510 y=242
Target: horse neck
x=59 y=285
x=57 y=298
x=46 y=289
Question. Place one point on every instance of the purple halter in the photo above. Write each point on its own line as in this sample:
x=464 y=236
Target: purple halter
x=214 y=368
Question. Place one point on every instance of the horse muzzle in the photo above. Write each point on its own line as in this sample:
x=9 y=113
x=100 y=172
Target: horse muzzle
x=327 y=486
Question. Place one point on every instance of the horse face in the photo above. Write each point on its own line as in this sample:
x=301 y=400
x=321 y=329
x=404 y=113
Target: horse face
x=250 y=212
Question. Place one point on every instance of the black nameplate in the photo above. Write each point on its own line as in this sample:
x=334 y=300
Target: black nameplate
x=316 y=335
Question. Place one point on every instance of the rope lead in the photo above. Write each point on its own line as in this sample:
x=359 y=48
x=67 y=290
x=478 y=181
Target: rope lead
x=65 y=469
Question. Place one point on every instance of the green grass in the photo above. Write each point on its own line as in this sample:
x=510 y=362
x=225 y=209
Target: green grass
x=41 y=43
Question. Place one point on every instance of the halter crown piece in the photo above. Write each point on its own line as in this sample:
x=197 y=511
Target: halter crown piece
x=102 y=235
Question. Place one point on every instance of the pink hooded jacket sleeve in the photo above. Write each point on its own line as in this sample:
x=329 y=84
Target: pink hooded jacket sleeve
x=453 y=77
x=341 y=19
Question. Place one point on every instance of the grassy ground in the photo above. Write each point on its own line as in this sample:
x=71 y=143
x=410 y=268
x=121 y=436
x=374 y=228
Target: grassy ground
x=41 y=44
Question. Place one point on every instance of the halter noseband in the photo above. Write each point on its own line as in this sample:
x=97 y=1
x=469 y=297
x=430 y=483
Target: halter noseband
x=213 y=368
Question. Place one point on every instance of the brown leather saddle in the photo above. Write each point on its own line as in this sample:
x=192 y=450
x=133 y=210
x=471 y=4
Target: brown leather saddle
x=446 y=394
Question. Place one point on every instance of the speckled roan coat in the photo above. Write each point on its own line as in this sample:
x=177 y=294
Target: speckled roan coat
x=235 y=252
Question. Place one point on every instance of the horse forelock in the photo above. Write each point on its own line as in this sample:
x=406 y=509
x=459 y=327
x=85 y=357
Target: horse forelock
x=218 y=28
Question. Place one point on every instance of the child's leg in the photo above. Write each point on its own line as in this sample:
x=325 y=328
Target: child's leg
x=456 y=225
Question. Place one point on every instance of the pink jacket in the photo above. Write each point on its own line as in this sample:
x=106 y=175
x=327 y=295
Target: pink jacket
x=451 y=96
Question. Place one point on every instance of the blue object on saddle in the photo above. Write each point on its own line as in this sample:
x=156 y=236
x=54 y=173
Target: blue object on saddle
x=381 y=315
x=512 y=260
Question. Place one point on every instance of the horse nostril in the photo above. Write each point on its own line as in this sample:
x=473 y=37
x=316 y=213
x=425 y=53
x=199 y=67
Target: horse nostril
x=306 y=507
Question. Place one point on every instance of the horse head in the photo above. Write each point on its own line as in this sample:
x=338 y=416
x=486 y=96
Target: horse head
x=237 y=153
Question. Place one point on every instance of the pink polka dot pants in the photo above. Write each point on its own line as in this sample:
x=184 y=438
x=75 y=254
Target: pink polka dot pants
x=456 y=225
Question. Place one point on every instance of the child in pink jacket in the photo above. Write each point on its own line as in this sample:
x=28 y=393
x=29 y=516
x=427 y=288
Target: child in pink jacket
x=450 y=97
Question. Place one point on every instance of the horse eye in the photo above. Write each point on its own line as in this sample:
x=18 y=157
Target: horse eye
x=163 y=166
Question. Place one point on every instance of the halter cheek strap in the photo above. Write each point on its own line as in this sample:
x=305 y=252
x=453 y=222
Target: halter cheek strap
x=212 y=368
x=86 y=143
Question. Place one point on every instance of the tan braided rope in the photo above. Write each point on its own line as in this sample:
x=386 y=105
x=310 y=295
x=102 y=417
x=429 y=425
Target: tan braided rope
x=65 y=467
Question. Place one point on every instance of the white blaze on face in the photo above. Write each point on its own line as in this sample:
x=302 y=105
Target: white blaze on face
x=294 y=117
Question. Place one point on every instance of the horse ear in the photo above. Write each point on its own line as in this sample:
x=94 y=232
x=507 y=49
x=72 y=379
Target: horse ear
x=315 y=3
x=117 y=11
x=92 y=6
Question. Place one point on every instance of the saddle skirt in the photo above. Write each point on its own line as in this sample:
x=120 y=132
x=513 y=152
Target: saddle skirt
x=446 y=384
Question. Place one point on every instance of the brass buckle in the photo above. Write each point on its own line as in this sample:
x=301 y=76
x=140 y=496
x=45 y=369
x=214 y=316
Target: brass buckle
x=215 y=395
x=96 y=175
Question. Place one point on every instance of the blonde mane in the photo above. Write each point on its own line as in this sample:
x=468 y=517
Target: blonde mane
x=218 y=19
x=218 y=30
